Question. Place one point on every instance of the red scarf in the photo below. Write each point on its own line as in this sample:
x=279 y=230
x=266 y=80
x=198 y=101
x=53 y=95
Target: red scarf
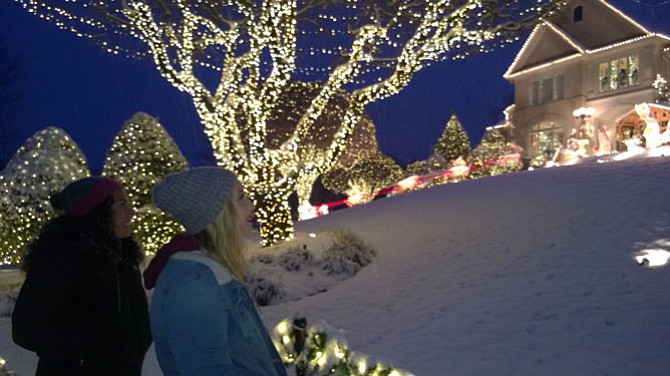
x=179 y=243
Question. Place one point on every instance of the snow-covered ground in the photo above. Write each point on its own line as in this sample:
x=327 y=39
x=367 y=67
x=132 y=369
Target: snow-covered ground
x=530 y=273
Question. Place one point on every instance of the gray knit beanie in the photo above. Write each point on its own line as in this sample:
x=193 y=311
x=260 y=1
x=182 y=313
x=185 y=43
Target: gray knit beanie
x=196 y=196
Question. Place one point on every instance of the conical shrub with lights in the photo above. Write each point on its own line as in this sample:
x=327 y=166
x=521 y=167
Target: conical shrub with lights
x=488 y=157
x=141 y=155
x=44 y=165
x=454 y=141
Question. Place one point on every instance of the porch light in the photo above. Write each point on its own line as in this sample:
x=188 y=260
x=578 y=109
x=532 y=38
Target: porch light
x=583 y=112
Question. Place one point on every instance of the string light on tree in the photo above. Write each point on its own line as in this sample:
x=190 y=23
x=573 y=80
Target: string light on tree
x=371 y=49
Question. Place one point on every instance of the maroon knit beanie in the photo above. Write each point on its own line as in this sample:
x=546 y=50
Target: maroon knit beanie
x=80 y=197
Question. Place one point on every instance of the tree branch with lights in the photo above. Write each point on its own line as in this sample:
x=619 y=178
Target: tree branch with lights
x=370 y=49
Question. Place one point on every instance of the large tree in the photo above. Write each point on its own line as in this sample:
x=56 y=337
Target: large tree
x=370 y=48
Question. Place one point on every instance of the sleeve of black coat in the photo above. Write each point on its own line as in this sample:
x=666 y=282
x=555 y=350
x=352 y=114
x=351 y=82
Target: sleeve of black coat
x=47 y=317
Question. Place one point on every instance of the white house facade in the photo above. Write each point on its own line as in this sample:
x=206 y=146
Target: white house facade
x=585 y=70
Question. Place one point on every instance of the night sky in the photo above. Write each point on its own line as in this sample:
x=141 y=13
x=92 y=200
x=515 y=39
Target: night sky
x=68 y=82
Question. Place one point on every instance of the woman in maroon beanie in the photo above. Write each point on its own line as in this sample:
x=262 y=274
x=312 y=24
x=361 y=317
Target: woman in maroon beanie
x=82 y=307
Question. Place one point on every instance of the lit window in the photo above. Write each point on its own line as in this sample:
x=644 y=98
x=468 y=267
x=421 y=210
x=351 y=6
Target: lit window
x=618 y=74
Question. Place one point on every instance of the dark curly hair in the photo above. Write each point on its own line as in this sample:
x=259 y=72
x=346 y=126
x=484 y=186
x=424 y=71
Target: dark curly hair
x=89 y=238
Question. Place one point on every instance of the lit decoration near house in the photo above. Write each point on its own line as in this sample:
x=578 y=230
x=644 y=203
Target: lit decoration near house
x=44 y=165
x=371 y=49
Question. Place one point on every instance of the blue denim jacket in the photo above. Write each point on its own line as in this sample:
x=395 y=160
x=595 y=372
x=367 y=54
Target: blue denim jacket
x=205 y=323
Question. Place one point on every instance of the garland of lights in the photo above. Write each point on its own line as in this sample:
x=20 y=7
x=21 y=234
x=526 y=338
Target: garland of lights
x=372 y=49
x=317 y=350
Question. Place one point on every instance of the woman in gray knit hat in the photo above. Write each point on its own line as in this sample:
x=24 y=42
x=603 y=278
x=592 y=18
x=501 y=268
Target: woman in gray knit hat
x=202 y=317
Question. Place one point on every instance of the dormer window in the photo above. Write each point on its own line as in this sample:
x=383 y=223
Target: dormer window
x=577 y=14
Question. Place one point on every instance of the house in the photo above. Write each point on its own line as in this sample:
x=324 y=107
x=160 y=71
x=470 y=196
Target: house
x=582 y=72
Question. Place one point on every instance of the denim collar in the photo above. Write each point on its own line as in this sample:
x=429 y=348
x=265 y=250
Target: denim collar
x=220 y=272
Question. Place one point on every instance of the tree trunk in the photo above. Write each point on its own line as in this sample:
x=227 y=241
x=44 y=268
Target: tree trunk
x=274 y=216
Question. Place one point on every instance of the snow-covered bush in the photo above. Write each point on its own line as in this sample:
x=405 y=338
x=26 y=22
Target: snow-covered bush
x=141 y=155
x=263 y=290
x=347 y=255
x=44 y=165
x=297 y=272
x=295 y=258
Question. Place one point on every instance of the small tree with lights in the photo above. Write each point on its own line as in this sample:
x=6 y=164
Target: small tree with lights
x=454 y=142
x=371 y=49
x=44 y=165
x=488 y=156
x=141 y=155
x=662 y=91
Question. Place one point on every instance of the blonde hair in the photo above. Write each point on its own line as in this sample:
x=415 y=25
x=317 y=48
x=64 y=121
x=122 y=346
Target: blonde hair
x=223 y=240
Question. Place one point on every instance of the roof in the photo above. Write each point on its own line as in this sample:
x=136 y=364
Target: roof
x=560 y=38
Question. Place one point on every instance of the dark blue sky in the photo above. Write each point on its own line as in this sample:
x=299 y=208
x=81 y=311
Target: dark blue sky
x=68 y=82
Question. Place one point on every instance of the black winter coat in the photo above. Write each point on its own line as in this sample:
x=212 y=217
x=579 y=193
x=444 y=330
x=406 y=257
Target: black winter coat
x=83 y=315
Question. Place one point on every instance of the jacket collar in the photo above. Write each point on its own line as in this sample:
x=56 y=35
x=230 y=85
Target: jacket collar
x=221 y=274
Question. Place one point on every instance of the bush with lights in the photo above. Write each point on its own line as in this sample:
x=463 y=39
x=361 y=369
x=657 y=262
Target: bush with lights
x=47 y=162
x=319 y=350
x=487 y=156
x=4 y=370
x=364 y=178
x=141 y=155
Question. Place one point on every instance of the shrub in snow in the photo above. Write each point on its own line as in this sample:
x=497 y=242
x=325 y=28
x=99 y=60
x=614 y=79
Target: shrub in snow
x=347 y=255
x=273 y=278
x=262 y=289
x=44 y=165
x=319 y=349
x=141 y=155
x=294 y=259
